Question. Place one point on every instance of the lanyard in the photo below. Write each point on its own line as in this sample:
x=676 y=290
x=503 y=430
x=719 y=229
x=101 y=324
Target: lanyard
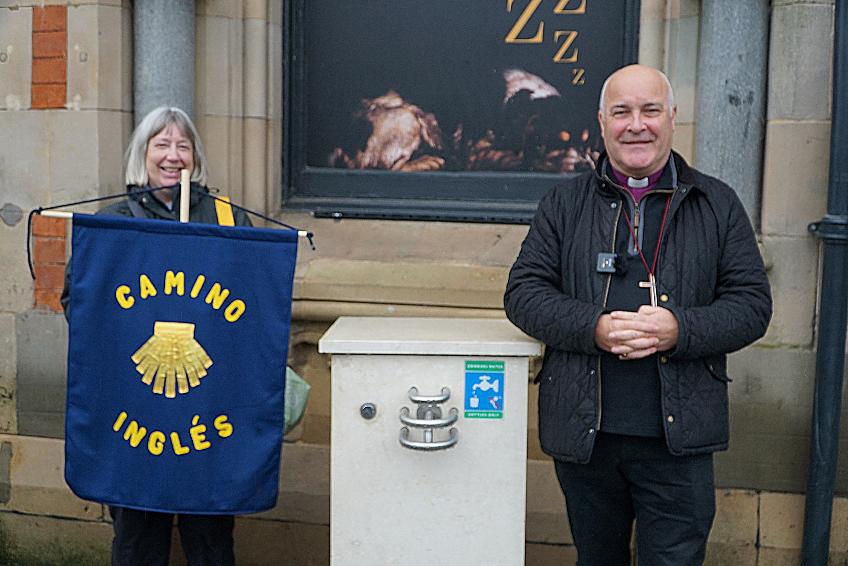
x=651 y=283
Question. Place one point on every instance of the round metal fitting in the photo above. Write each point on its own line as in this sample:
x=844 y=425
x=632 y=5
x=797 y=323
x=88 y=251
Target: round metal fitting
x=368 y=411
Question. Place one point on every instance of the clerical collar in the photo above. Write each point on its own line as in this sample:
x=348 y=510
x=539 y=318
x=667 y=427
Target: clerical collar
x=643 y=184
x=665 y=178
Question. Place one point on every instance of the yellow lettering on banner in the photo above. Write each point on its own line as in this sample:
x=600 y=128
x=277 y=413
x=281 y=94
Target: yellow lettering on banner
x=234 y=310
x=174 y=280
x=119 y=422
x=179 y=449
x=122 y=295
x=157 y=440
x=174 y=283
x=134 y=433
x=145 y=287
x=156 y=443
x=217 y=296
x=223 y=427
x=198 y=285
x=198 y=434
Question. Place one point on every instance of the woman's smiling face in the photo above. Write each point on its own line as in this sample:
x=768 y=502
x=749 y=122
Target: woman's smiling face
x=167 y=152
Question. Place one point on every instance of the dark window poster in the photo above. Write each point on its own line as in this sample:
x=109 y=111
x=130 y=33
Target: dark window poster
x=423 y=87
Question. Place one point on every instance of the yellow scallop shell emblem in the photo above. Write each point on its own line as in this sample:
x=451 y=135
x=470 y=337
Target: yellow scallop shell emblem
x=171 y=360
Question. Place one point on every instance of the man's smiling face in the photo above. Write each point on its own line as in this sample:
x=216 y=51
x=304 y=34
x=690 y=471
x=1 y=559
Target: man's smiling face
x=637 y=121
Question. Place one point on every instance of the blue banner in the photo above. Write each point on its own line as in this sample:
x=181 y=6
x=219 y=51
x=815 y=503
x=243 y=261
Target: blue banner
x=176 y=364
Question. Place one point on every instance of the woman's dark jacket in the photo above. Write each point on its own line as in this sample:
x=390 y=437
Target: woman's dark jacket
x=710 y=275
x=201 y=207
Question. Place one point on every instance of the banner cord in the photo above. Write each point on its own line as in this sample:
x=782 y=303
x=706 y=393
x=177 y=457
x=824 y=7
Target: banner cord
x=40 y=209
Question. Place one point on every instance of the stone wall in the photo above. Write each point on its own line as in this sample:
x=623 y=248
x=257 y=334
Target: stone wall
x=43 y=522
x=773 y=392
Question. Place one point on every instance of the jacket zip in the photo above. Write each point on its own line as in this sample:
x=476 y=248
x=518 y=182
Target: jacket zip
x=637 y=217
x=636 y=221
x=660 y=239
x=606 y=296
x=659 y=365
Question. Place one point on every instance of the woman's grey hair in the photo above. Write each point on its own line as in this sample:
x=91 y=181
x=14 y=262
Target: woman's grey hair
x=664 y=77
x=156 y=121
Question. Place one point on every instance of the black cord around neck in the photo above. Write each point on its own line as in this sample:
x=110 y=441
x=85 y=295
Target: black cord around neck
x=130 y=193
x=309 y=235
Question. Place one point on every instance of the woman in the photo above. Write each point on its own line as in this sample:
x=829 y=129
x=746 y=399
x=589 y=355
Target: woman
x=165 y=142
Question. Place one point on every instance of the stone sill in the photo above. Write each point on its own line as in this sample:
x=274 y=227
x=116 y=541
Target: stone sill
x=329 y=311
x=397 y=266
x=405 y=268
x=398 y=283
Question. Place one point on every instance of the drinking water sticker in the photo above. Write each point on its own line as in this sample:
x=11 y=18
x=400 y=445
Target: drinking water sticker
x=484 y=389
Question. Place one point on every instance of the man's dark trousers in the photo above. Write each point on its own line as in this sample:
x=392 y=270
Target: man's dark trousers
x=143 y=538
x=672 y=499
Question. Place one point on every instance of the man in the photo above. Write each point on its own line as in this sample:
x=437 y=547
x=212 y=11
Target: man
x=639 y=277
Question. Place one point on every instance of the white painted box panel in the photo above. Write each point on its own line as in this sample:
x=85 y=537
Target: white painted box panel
x=460 y=505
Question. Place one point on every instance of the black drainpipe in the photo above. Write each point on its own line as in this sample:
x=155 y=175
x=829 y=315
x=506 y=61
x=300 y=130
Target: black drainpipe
x=830 y=348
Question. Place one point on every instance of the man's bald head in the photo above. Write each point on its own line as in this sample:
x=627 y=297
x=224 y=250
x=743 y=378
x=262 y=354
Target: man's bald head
x=633 y=67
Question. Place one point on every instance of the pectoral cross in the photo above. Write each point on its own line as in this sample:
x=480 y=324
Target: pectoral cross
x=651 y=285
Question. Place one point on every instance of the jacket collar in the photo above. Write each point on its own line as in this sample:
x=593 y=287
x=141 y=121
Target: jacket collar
x=194 y=198
x=681 y=175
x=156 y=208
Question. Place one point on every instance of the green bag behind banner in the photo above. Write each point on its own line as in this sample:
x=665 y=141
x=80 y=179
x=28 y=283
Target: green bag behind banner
x=297 y=394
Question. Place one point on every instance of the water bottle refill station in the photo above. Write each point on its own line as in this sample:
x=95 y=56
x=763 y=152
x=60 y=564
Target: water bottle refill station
x=429 y=440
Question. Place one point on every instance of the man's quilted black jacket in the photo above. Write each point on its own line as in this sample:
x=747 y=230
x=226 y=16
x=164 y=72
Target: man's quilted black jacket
x=710 y=275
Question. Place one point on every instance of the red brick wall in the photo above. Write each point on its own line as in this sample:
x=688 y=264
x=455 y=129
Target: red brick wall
x=48 y=259
x=49 y=87
x=49 y=56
